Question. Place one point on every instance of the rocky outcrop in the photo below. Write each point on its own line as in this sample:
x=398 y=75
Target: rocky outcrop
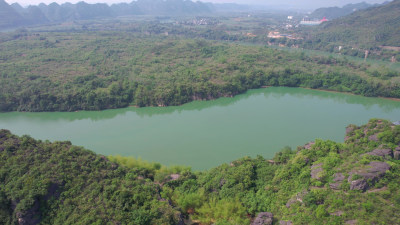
x=349 y=130
x=337 y=213
x=32 y=216
x=29 y=217
x=338 y=180
x=175 y=176
x=369 y=176
x=373 y=137
x=181 y=220
x=282 y=222
x=396 y=153
x=297 y=198
x=316 y=171
x=385 y=153
x=309 y=145
x=264 y=218
x=351 y=222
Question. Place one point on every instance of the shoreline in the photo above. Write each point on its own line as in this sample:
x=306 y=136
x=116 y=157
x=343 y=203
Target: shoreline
x=262 y=87
x=349 y=93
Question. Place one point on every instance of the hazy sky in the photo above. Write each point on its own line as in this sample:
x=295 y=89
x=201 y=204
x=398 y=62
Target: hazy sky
x=293 y=3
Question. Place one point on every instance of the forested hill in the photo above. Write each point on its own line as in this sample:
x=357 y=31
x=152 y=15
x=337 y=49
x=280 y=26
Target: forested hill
x=16 y=15
x=323 y=182
x=366 y=29
x=335 y=12
x=94 y=70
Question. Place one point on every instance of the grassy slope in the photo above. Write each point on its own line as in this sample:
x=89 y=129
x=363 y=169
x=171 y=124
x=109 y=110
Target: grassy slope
x=58 y=182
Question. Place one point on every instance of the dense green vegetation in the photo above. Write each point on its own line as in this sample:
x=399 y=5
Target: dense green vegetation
x=368 y=29
x=321 y=183
x=92 y=70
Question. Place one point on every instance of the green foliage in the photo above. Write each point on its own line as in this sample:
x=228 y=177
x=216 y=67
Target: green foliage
x=73 y=185
x=191 y=201
x=94 y=70
x=284 y=155
x=320 y=212
x=222 y=212
x=363 y=30
x=150 y=169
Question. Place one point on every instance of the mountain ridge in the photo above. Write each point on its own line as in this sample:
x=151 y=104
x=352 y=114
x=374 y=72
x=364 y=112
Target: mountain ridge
x=335 y=12
x=15 y=15
x=371 y=27
x=9 y=17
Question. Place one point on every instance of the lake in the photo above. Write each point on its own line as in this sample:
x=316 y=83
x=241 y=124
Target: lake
x=205 y=134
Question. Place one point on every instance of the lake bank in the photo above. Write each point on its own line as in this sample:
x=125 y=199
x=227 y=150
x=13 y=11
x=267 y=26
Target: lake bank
x=203 y=134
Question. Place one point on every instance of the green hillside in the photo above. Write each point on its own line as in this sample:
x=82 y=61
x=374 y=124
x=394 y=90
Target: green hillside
x=323 y=182
x=93 y=70
x=366 y=29
x=335 y=12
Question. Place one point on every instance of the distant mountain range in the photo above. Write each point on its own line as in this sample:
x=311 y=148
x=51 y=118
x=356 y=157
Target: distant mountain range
x=368 y=28
x=8 y=16
x=15 y=15
x=336 y=12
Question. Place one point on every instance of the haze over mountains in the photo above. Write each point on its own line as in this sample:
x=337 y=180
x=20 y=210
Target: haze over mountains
x=303 y=4
x=15 y=15
x=336 y=12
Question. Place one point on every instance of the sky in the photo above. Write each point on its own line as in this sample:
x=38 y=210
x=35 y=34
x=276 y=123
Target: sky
x=292 y=3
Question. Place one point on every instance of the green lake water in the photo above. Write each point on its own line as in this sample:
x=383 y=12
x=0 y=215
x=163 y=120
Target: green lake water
x=204 y=134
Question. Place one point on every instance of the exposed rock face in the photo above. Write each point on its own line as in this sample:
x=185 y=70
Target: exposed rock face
x=174 y=176
x=171 y=177
x=264 y=218
x=373 y=137
x=351 y=222
x=349 y=129
x=396 y=153
x=337 y=179
x=369 y=176
x=360 y=184
x=282 y=222
x=181 y=219
x=337 y=213
x=385 y=153
x=297 y=198
x=316 y=171
x=308 y=145
x=32 y=216
x=29 y=217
